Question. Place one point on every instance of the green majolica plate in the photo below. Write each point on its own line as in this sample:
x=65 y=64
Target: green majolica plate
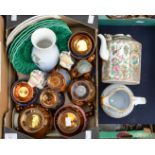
x=21 y=47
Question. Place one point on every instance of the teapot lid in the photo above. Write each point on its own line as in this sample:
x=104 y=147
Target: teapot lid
x=110 y=36
x=122 y=35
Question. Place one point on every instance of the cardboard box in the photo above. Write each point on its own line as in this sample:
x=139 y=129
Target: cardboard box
x=105 y=20
x=3 y=76
x=143 y=32
x=11 y=76
x=134 y=131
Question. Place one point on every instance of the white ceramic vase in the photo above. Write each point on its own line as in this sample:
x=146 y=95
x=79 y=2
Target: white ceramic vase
x=45 y=53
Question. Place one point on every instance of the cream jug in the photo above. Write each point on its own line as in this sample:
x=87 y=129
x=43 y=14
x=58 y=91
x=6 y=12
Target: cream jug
x=121 y=56
x=118 y=101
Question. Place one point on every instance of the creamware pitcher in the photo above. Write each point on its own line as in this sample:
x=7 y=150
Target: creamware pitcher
x=121 y=56
x=118 y=101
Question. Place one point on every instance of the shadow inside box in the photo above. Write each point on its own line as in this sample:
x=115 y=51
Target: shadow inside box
x=144 y=114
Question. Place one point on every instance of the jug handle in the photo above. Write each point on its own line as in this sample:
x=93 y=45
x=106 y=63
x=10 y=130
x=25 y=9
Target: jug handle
x=104 y=52
x=139 y=100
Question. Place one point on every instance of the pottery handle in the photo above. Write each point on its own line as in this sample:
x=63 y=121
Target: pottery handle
x=90 y=112
x=104 y=52
x=74 y=73
x=139 y=100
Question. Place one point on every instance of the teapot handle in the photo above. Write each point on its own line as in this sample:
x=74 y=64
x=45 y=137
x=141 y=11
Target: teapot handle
x=104 y=52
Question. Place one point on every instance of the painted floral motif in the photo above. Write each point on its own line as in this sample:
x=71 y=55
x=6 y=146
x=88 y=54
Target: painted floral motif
x=126 y=50
x=124 y=56
x=115 y=61
x=134 y=59
x=116 y=68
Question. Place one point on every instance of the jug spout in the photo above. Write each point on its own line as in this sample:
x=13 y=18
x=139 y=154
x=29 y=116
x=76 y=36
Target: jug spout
x=104 y=52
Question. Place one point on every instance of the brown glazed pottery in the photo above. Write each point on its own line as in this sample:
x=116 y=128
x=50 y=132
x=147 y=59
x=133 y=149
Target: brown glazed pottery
x=58 y=80
x=70 y=120
x=82 y=91
x=51 y=99
x=82 y=67
x=22 y=92
x=35 y=121
x=81 y=45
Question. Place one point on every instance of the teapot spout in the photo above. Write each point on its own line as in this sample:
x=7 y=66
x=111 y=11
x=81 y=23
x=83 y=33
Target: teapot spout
x=104 y=53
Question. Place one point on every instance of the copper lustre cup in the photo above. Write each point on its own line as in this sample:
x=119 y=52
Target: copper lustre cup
x=82 y=92
x=81 y=44
x=35 y=121
x=23 y=94
x=58 y=80
x=51 y=99
x=70 y=120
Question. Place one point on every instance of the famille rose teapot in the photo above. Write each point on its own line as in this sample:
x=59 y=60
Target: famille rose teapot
x=121 y=56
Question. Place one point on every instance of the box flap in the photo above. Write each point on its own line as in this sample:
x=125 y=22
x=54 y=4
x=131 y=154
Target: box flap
x=3 y=76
